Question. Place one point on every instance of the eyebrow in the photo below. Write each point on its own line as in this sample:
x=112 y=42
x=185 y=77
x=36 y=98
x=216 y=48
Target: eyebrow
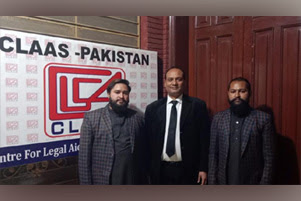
x=238 y=89
x=116 y=90
x=174 y=77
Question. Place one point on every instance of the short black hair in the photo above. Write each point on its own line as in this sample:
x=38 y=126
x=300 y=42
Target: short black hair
x=175 y=67
x=248 y=85
x=118 y=81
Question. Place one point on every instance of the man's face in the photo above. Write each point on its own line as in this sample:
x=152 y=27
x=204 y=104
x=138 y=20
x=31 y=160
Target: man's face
x=174 y=83
x=237 y=91
x=119 y=94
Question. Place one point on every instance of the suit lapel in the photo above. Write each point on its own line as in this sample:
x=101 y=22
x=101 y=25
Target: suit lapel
x=247 y=131
x=186 y=109
x=106 y=122
x=161 y=116
x=226 y=127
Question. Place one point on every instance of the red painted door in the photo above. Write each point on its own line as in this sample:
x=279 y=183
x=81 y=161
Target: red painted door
x=265 y=50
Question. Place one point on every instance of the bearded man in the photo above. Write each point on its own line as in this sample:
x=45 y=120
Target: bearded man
x=241 y=143
x=113 y=142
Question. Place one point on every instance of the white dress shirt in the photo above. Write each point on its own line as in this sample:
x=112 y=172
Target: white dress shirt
x=177 y=156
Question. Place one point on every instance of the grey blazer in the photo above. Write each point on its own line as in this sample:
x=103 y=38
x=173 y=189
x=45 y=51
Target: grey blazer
x=257 y=148
x=96 y=153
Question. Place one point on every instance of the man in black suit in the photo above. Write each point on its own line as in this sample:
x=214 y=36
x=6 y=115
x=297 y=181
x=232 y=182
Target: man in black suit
x=178 y=131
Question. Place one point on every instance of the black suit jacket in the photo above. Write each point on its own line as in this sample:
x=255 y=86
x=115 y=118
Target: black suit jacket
x=194 y=136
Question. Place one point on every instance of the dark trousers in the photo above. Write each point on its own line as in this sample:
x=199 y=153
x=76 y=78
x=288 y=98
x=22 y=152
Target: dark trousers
x=172 y=173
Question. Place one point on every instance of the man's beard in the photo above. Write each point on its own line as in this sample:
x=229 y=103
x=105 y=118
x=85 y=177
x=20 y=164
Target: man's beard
x=119 y=109
x=242 y=109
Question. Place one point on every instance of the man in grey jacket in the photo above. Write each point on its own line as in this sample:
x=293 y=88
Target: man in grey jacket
x=112 y=141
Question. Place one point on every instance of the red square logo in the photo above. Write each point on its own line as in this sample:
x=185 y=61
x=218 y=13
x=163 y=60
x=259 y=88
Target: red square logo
x=72 y=90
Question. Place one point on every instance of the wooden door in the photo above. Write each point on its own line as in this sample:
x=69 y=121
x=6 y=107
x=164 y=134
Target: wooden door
x=216 y=50
x=265 y=50
x=272 y=61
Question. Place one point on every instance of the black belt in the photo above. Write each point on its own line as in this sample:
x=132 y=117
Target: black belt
x=171 y=163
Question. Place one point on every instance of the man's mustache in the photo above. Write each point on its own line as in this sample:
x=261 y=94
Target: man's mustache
x=238 y=98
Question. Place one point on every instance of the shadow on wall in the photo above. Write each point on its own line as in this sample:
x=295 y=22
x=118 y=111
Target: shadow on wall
x=160 y=78
x=287 y=170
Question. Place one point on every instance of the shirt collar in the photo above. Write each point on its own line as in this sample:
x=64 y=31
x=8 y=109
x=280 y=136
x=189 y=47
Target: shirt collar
x=179 y=99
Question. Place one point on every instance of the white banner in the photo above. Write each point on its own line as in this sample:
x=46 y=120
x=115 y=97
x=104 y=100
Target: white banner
x=47 y=83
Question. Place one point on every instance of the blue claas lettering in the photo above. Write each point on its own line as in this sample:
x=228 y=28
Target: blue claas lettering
x=58 y=127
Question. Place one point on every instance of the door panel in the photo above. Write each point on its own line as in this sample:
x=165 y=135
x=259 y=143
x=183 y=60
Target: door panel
x=216 y=49
x=224 y=65
x=203 y=59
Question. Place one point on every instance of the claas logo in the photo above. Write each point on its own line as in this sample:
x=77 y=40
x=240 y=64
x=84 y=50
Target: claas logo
x=72 y=90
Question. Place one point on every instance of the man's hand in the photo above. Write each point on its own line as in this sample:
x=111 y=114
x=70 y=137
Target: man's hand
x=202 y=178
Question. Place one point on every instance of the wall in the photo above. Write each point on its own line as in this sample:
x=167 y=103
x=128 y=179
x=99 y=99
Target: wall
x=155 y=37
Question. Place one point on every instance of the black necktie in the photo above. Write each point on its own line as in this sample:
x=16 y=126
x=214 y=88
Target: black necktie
x=171 y=139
